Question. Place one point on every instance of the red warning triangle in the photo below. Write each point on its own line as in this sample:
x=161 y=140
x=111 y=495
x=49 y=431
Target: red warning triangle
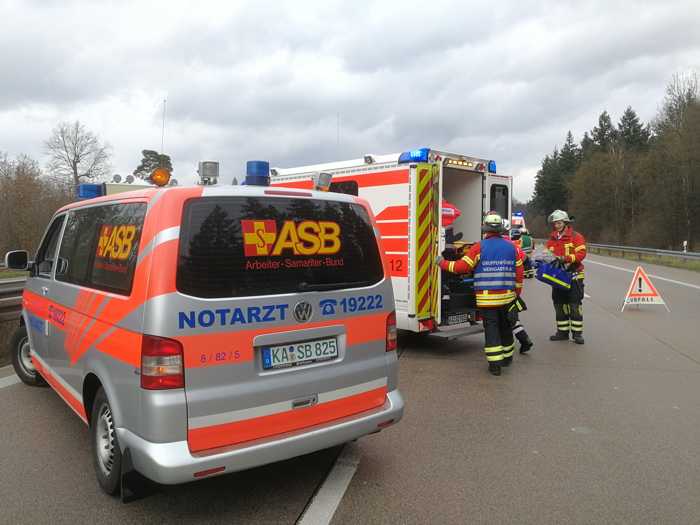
x=642 y=291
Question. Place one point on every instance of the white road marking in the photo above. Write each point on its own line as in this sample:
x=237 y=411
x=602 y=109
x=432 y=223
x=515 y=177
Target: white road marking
x=658 y=277
x=8 y=381
x=586 y=295
x=324 y=504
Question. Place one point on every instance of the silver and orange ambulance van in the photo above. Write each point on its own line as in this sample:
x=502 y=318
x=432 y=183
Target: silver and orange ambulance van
x=203 y=330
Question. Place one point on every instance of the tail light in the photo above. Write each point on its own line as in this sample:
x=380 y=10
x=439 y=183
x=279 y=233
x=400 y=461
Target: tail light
x=391 y=332
x=161 y=363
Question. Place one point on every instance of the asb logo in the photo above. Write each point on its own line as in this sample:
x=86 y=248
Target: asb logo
x=258 y=237
x=261 y=238
x=115 y=242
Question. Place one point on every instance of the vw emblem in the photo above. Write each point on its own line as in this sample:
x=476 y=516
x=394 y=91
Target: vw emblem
x=302 y=311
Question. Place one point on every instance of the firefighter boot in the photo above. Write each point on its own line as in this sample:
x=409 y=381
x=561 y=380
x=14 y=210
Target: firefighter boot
x=525 y=342
x=495 y=368
x=506 y=361
x=563 y=323
x=559 y=336
x=576 y=311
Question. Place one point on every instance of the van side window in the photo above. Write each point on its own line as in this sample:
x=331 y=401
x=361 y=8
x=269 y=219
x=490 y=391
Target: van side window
x=100 y=246
x=499 y=200
x=349 y=187
x=47 y=251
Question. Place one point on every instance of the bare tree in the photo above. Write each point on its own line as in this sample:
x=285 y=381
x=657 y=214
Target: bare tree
x=76 y=153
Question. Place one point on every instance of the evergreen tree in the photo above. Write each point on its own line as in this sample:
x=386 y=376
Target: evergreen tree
x=550 y=186
x=604 y=133
x=150 y=161
x=632 y=135
x=569 y=157
x=587 y=146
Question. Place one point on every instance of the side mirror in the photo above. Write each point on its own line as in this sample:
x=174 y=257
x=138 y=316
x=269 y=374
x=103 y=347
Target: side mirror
x=17 y=260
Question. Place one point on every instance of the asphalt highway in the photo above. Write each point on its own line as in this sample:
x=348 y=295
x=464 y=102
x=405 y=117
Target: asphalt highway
x=607 y=432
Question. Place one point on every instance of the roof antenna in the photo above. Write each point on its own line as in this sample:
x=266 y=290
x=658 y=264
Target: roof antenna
x=162 y=135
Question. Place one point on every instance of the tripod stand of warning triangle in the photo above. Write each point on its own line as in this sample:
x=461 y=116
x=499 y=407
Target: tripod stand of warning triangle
x=642 y=291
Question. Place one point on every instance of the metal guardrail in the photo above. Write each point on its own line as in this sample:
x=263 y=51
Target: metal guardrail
x=11 y=298
x=646 y=251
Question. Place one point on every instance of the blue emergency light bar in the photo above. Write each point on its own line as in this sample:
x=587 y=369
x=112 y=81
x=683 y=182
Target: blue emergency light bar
x=492 y=166
x=90 y=191
x=257 y=173
x=518 y=214
x=415 y=155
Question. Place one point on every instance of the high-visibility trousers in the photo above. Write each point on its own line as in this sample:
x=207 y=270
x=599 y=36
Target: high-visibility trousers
x=498 y=334
x=568 y=308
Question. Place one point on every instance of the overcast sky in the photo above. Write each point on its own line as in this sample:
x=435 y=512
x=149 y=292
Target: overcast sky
x=267 y=80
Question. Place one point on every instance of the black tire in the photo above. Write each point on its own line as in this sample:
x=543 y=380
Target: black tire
x=21 y=361
x=106 y=454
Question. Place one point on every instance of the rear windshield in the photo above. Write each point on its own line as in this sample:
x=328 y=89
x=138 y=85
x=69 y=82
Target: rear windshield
x=251 y=246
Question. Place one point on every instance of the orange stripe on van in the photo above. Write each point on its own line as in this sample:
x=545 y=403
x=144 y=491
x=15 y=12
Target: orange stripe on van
x=162 y=279
x=206 y=438
x=69 y=398
x=237 y=346
x=123 y=345
x=166 y=212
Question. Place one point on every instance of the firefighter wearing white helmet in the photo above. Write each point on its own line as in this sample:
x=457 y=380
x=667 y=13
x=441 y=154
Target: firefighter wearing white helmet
x=569 y=247
x=498 y=279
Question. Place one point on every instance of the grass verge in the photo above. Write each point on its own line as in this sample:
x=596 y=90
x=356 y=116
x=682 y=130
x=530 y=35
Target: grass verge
x=9 y=274
x=673 y=262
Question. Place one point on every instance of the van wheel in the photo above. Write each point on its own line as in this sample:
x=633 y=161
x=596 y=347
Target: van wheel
x=106 y=454
x=20 y=352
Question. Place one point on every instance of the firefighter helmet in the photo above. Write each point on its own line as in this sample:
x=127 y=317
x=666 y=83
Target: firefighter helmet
x=558 y=215
x=492 y=222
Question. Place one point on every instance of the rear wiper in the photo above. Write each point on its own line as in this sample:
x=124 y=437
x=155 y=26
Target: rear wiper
x=307 y=287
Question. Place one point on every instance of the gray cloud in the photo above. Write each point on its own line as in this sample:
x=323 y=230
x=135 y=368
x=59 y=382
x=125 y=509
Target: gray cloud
x=503 y=81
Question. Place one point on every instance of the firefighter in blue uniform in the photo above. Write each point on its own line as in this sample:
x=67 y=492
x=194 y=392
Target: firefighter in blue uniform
x=498 y=279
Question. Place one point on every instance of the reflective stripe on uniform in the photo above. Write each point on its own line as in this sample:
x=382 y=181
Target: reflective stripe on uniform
x=451 y=267
x=493 y=353
x=468 y=260
x=501 y=299
x=484 y=275
x=579 y=248
x=519 y=262
x=494 y=283
x=508 y=351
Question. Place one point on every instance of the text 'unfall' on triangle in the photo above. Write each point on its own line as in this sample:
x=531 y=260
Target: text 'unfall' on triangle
x=642 y=291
